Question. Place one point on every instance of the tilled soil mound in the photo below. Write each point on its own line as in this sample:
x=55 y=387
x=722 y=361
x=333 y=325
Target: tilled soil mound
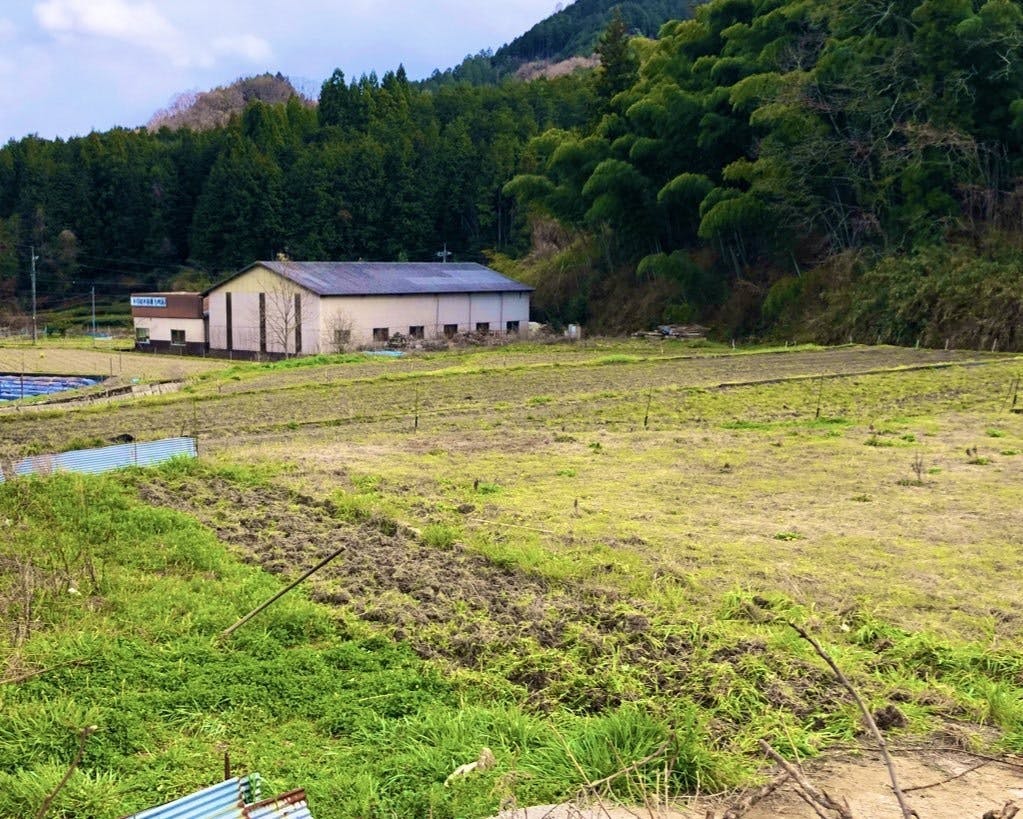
x=563 y=643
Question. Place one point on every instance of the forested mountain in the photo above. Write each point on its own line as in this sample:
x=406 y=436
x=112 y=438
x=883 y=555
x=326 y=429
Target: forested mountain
x=204 y=110
x=571 y=31
x=774 y=162
x=379 y=170
x=574 y=30
x=830 y=168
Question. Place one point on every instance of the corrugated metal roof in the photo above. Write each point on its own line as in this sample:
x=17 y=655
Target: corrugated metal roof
x=233 y=799
x=223 y=801
x=390 y=278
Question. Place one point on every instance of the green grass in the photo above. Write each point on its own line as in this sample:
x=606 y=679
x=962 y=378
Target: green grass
x=127 y=604
x=663 y=560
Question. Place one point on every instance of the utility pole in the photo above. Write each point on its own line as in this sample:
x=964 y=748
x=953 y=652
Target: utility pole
x=94 y=314
x=444 y=254
x=32 y=252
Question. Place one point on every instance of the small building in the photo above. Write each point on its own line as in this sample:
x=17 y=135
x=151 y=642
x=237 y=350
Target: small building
x=169 y=323
x=302 y=308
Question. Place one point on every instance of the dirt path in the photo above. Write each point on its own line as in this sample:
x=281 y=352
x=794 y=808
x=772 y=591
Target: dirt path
x=862 y=780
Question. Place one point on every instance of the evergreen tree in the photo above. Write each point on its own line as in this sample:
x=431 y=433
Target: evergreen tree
x=618 y=65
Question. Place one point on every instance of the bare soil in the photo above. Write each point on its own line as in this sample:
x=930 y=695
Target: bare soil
x=456 y=606
x=938 y=783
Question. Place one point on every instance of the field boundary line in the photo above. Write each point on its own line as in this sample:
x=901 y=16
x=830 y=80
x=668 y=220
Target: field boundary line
x=475 y=409
x=904 y=368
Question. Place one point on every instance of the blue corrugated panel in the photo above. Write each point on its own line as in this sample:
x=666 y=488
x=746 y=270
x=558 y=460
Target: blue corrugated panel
x=233 y=799
x=221 y=801
x=109 y=457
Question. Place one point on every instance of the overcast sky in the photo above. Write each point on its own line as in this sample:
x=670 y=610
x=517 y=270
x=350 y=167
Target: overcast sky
x=68 y=67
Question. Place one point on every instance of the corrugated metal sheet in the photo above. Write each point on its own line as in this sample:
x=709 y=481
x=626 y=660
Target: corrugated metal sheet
x=234 y=799
x=223 y=801
x=287 y=806
x=104 y=459
x=391 y=278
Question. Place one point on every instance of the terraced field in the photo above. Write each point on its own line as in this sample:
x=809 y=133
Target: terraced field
x=606 y=544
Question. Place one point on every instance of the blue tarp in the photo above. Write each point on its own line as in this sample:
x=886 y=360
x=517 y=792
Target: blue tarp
x=13 y=387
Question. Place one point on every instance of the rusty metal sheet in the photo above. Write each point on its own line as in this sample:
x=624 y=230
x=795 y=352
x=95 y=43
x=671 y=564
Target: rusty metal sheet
x=290 y=805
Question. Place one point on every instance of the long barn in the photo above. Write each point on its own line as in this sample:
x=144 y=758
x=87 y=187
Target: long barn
x=303 y=308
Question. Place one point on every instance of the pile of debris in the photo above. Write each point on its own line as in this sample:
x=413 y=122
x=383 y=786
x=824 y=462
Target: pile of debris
x=689 y=331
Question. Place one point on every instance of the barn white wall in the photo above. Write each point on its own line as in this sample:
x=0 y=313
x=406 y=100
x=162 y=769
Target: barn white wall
x=361 y=314
x=160 y=328
x=280 y=315
x=322 y=317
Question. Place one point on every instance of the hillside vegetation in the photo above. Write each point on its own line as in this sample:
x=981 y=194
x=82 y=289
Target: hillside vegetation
x=769 y=167
x=778 y=157
x=573 y=31
x=204 y=110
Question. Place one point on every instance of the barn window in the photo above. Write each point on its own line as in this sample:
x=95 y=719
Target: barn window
x=142 y=335
x=381 y=333
x=417 y=331
x=483 y=327
x=450 y=330
x=511 y=327
x=178 y=338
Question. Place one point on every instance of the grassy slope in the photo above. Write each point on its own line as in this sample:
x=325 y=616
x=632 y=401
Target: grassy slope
x=300 y=695
x=731 y=506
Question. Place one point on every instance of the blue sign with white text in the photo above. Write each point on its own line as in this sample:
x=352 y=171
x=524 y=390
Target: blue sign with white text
x=148 y=301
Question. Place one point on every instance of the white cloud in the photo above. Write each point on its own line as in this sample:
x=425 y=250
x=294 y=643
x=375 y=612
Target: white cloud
x=142 y=25
x=249 y=46
x=119 y=20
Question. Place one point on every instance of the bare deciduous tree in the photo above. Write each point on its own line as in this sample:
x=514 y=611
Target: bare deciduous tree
x=282 y=318
x=338 y=332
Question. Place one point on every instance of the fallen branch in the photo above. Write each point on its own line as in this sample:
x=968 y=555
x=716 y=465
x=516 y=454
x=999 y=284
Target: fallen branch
x=29 y=675
x=953 y=749
x=907 y=811
x=814 y=797
x=83 y=737
x=511 y=525
x=228 y=631
x=949 y=779
x=739 y=809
